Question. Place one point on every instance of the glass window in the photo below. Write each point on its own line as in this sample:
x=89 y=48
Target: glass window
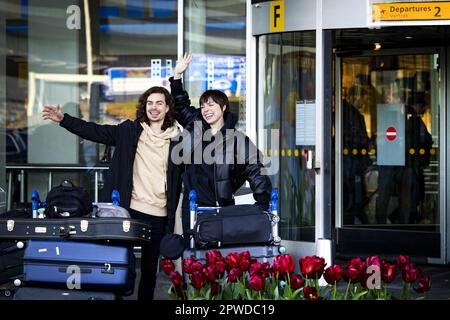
x=93 y=61
x=215 y=34
x=390 y=121
x=287 y=99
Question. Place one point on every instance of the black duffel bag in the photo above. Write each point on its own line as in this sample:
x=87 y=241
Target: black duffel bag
x=233 y=225
x=67 y=201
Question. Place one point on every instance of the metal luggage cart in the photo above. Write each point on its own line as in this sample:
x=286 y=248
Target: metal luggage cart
x=262 y=253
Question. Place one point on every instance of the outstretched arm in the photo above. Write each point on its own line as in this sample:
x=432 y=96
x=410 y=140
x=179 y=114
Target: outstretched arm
x=106 y=134
x=185 y=112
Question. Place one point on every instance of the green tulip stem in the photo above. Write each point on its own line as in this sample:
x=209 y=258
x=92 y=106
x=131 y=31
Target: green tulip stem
x=289 y=285
x=346 y=291
x=260 y=297
x=316 y=284
x=405 y=293
x=334 y=290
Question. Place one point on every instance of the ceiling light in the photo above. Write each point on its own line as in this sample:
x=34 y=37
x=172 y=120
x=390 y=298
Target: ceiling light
x=408 y=37
x=377 y=46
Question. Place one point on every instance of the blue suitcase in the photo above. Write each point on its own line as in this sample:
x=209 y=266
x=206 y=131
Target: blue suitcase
x=86 y=266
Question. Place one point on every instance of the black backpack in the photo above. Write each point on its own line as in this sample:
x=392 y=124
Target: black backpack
x=67 y=201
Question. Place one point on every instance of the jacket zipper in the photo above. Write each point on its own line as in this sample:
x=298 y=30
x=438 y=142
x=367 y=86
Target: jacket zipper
x=215 y=185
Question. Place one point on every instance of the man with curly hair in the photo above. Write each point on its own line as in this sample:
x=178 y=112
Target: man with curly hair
x=141 y=169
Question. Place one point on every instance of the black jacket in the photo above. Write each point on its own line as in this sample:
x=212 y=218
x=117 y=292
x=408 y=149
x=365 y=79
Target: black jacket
x=228 y=177
x=125 y=137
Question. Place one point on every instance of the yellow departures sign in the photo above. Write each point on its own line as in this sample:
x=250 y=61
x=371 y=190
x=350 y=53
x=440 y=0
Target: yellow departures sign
x=402 y=11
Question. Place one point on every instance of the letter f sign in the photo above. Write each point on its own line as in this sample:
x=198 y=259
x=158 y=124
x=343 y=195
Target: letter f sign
x=276 y=16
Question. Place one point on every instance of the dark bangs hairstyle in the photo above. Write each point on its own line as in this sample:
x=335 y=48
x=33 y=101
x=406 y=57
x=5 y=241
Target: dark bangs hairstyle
x=217 y=96
x=141 y=108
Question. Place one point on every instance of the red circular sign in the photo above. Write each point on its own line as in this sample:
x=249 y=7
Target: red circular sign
x=391 y=133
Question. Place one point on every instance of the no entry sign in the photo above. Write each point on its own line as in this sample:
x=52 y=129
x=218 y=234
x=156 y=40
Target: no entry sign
x=391 y=133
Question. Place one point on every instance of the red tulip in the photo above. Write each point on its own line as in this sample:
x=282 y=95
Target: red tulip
x=310 y=293
x=355 y=270
x=307 y=266
x=402 y=261
x=232 y=260
x=256 y=282
x=410 y=273
x=333 y=274
x=255 y=268
x=245 y=255
x=312 y=266
x=244 y=264
x=283 y=264
x=234 y=275
x=319 y=266
x=373 y=261
x=168 y=266
x=297 y=281
x=424 y=284
x=210 y=273
x=176 y=278
x=213 y=256
x=196 y=266
x=364 y=278
x=220 y=268
x=197 y=280
x=187 y=264
x=266 y=270
x=388 y=272
x=214 y=288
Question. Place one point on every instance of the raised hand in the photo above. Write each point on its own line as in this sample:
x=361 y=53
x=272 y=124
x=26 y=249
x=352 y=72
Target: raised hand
x=182 y=65
x=52 y=113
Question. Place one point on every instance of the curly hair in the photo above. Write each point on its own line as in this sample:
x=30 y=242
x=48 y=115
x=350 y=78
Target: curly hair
x=141 y=108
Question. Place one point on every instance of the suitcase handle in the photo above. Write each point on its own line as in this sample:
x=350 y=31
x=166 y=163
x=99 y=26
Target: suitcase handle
x=82 y=270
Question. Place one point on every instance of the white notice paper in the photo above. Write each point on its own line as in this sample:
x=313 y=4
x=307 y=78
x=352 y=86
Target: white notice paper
x=305 y=123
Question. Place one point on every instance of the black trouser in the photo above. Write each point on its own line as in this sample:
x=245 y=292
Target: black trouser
x=407 y=182
x=149 y=253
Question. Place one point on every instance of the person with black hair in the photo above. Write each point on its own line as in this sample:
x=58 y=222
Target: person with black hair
x=355 y=137
x=407 y=180
x=228 y=157
x=141 y=169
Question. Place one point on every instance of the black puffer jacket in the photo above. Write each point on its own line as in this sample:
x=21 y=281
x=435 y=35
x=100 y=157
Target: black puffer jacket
x=125 y=137
x=228 y=176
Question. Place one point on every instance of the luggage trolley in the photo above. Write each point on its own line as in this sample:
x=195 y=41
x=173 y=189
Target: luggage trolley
x=47 y=256
x=264 y=252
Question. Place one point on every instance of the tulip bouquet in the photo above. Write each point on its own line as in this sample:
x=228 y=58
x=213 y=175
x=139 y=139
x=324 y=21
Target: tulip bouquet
x=238 y=276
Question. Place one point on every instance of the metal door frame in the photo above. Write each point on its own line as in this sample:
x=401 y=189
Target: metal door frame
x=444 y=117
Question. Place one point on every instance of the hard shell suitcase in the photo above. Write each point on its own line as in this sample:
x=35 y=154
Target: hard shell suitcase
x=66 y=264
x=11 y=261
x=32 y=293
x=16 y=226
x=87 y=229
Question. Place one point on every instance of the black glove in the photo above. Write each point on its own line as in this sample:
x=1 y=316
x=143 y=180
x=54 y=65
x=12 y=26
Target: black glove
x=262 y=201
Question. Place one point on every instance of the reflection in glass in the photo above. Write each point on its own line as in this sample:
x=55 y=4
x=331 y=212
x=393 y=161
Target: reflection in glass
x=132 y=46
x=215 y=33
x=287 y=99
x=390 y=140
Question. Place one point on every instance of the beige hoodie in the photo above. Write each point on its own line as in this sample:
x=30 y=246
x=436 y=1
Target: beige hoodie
x=150 y=171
